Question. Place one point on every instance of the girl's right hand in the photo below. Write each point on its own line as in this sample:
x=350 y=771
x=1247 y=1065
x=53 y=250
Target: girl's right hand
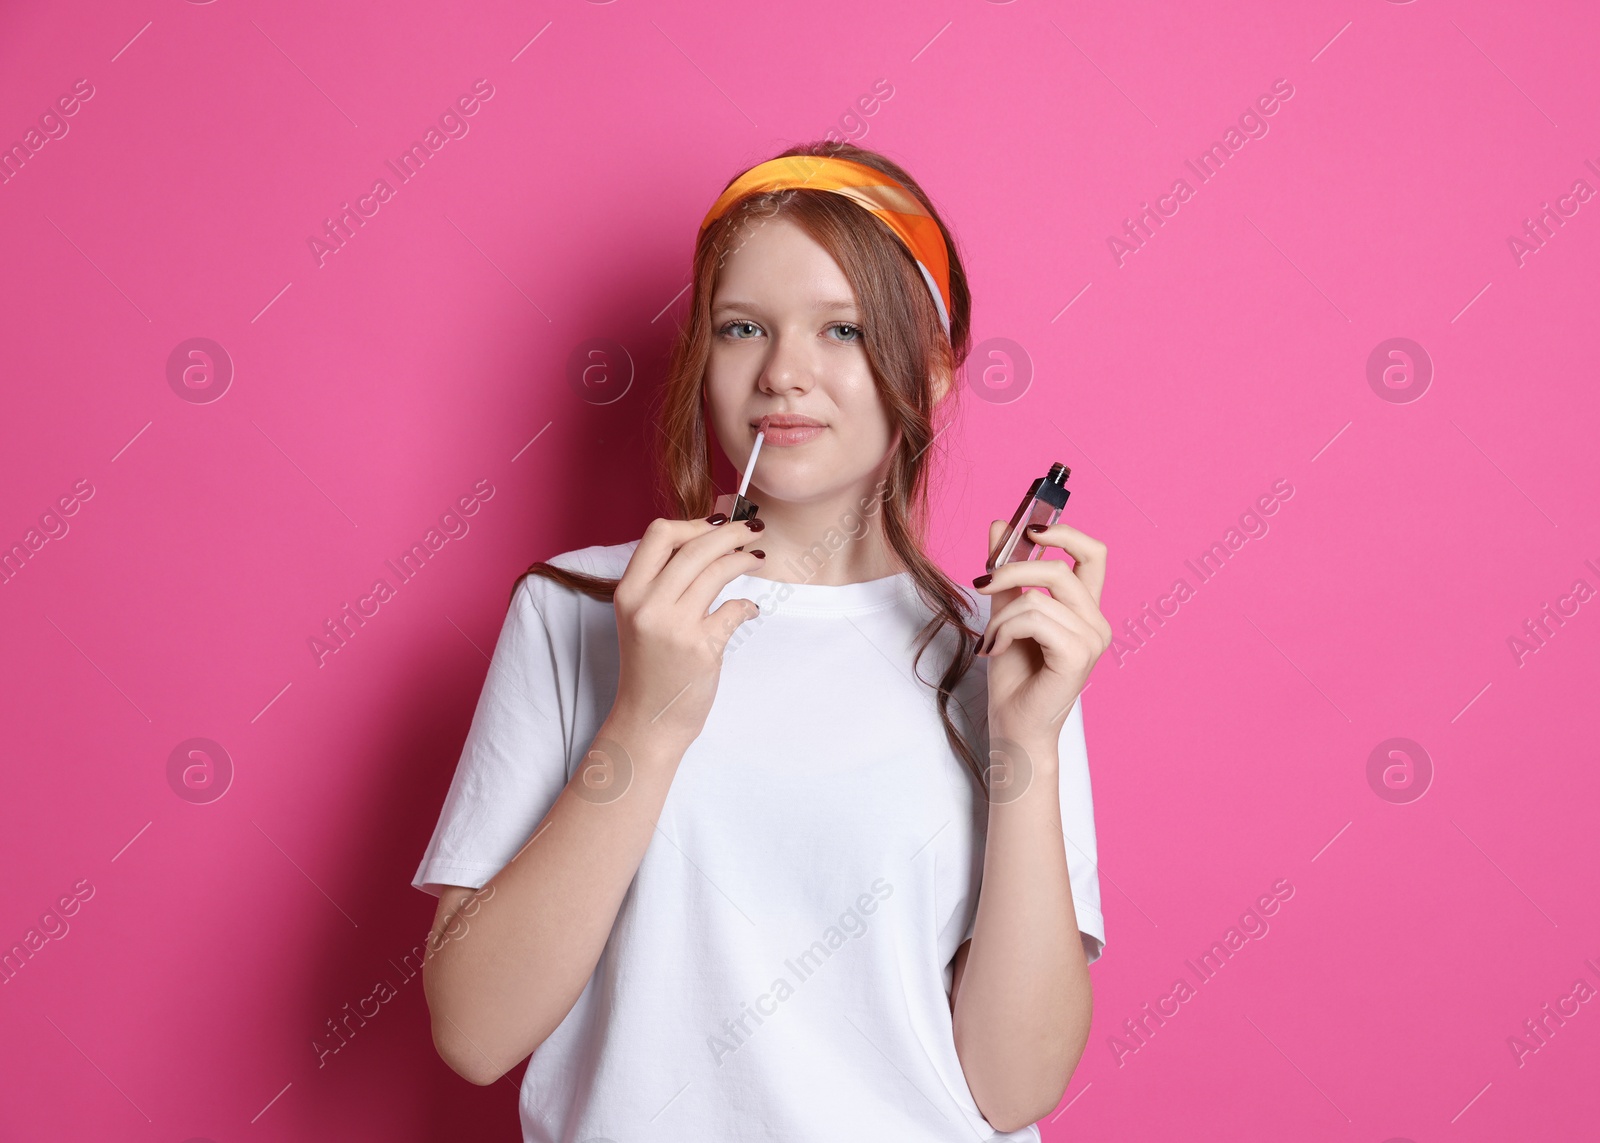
x=670 y=649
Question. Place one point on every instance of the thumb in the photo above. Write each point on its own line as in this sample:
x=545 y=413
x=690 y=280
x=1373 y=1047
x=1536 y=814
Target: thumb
x=727 y=619
x=997 y=528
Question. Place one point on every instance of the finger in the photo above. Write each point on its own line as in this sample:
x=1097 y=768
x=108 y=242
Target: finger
x=721 y=571
x=1068 y=619
x=728 y=618
x=1088 y=554
x=997 y=528
x=661 y=538
x=698 y=553
x=1065 y=651
x=1057 y=578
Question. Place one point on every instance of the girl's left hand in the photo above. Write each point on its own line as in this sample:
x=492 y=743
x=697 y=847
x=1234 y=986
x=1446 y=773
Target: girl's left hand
x=1042 y=645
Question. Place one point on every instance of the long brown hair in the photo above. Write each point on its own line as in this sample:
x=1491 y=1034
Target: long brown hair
x=904 y=343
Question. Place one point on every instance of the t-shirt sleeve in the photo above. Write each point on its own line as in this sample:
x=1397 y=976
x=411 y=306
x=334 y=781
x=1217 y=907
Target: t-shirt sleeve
x=514 y=762
x=1077 y=828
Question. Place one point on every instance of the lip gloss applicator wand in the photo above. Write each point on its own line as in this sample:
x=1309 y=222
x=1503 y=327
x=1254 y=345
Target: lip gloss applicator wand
x=733 y=504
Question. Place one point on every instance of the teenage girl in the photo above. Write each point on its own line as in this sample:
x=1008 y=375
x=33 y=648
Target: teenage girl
x=714 y=848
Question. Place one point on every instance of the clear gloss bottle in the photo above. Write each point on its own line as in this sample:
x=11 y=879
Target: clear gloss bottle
x=1046 y=497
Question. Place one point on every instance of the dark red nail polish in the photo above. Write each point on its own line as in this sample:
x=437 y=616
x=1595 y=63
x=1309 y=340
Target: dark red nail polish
x=1036 y=527
x=758 y=552
x=756 y=523
x=717 y=518
x=983 y=580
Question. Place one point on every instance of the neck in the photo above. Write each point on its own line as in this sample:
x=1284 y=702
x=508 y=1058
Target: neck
x=824 y=542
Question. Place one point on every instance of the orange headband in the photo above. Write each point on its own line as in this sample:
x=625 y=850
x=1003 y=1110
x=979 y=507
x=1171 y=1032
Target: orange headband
x=870 y=189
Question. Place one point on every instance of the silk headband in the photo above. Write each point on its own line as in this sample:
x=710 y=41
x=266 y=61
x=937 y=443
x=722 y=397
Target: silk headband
x=888 y=201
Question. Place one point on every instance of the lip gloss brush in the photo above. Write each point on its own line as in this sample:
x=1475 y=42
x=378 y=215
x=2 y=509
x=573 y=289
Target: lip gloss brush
x=750 y=465
x=734 y=504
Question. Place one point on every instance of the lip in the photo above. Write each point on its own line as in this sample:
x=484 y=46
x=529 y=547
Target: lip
x=787 y=421
x=787 y=429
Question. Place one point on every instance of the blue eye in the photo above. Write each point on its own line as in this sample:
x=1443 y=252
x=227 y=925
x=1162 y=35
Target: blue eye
x=853 y=336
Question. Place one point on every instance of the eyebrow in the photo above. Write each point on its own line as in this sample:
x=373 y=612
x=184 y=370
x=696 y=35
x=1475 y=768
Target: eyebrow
x=826 y=304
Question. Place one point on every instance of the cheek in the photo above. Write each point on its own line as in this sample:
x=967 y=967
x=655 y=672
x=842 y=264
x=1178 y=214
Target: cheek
x=731 y=369
x=726 y=400
x=862 y=410
x=717 y=388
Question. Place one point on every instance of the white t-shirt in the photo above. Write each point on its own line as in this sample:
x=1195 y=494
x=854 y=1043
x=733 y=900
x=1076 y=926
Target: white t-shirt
x=780 y=966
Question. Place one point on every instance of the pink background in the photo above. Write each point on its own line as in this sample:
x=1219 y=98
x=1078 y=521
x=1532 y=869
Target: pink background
x=1229 y=751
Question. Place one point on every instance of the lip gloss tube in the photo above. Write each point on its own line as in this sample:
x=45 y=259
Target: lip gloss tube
x=1046 y=497
x=736 y=506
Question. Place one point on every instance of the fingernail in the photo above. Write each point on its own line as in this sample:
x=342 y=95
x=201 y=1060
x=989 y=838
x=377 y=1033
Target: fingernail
x=983 y=580
x=758 y=552
x=717 y=518
x=1036 y=527
x=756 y=523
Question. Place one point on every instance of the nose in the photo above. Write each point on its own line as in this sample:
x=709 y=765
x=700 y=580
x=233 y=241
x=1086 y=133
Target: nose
x=787 y=369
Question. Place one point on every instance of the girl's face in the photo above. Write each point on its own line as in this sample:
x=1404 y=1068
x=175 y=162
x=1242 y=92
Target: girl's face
x=786 y=338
